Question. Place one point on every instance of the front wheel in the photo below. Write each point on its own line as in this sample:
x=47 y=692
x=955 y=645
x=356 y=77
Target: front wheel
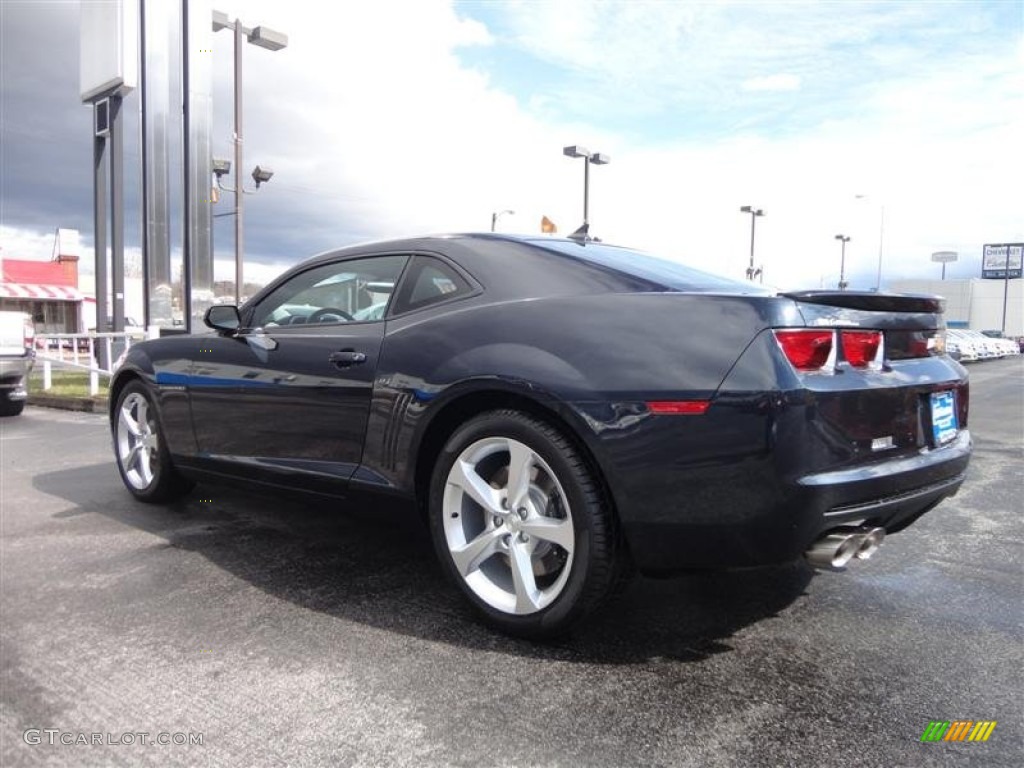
x=10 y=407
x=521 y=524
x=142 y=456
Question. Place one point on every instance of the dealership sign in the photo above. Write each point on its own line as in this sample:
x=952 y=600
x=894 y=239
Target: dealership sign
x=995 y=261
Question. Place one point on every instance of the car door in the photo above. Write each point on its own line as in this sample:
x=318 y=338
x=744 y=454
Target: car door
x=289 y=395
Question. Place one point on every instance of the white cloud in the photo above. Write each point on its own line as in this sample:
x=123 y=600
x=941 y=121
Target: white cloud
x=224 y=269
x=20 y=243
x=807 y=187
x=377 y=126
x=391 y=126
x=376 y=119
x=772 y=83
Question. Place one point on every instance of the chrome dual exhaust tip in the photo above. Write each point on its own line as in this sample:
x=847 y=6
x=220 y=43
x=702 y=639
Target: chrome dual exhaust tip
x=836 y=549
x=870 y=542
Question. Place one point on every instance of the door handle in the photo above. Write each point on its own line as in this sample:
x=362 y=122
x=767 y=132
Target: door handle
x=346 y=357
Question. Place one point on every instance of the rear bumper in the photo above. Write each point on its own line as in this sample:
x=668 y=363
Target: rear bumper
x=13 y=372
x=928 y=475
x=777 y=523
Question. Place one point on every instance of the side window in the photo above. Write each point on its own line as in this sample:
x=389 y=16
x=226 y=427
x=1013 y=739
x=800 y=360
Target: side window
x=354 y=290
x=429 y=281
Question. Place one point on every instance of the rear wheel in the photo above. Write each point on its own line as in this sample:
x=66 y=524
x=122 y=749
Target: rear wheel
x=142 y=457
x=521 y=525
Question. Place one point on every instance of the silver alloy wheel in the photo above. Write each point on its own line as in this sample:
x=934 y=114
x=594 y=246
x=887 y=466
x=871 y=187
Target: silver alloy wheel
x=508 y=525
x=137 y=443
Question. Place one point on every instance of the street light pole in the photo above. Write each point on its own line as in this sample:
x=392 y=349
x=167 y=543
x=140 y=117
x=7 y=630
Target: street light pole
x=844 y=239
x=239 y=196
x=586 y=191
x=881 y=237
x=272 y=40
x=1006 y=286
x=588 y=157
x=881 y=242
x=497 y=215
x=754 y=213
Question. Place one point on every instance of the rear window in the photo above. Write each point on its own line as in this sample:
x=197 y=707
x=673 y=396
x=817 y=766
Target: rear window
x=654 y=269
x=428 y=281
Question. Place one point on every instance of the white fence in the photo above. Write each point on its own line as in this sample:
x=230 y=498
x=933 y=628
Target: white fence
x=80 y=352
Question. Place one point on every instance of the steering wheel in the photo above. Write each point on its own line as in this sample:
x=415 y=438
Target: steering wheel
x=320 y=314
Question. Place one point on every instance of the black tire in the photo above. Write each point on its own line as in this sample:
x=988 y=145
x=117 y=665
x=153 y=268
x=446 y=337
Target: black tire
x=589 y=571
x=141 y=451
x=10 y=407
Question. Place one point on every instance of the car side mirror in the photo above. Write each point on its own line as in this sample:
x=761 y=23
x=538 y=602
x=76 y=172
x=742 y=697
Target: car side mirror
x=223 y=317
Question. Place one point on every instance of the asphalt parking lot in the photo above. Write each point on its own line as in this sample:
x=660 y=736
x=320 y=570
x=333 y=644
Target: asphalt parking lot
x=284 y=631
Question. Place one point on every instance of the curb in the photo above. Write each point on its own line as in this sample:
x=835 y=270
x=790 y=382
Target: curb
x=66 y=403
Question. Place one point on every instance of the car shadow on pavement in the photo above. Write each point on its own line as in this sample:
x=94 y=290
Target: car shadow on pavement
x=372 y=562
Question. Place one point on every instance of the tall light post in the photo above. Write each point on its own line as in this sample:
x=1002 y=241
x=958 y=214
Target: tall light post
x=844 y=239
x=881 y=241
x=754 y=213
x=588 y=157
x=272 y=40
x=943 y=258
x=497 y=215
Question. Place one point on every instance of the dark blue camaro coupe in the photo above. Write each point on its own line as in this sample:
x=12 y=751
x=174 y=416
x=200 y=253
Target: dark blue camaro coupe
x=563 y=412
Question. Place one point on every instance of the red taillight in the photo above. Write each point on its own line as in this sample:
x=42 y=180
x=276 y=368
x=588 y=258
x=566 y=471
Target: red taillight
x=678 y=407
x=807 y=349
x=860 y=348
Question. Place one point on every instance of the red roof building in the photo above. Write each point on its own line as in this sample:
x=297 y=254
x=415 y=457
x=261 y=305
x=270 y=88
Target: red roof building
x=47 y=290
x=63 y=272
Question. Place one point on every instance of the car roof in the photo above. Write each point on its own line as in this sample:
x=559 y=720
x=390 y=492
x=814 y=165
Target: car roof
x=424 y=241
x=545 y=265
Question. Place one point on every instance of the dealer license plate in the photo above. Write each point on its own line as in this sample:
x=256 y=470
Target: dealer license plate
x=944 y=424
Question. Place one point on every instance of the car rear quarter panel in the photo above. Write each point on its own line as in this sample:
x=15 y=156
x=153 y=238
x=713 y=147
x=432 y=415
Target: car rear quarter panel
x=726 y=488
x=600 y=356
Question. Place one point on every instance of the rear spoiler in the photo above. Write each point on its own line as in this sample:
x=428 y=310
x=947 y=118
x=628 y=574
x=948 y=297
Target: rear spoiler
x=873 y=302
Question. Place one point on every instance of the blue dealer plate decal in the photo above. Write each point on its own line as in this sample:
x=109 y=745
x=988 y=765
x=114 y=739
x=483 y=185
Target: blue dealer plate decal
x=944 y=424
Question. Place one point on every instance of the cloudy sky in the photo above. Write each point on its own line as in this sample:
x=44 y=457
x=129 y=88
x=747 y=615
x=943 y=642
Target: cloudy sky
x=394 y=118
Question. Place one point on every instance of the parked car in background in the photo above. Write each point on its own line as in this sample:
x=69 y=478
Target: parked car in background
x=993 y=349
x=953 y=351
x=1010 y=346
x=562 y=412
x=969 y=350
x=1006 y=346
x=984 y=347
x=17 y=353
